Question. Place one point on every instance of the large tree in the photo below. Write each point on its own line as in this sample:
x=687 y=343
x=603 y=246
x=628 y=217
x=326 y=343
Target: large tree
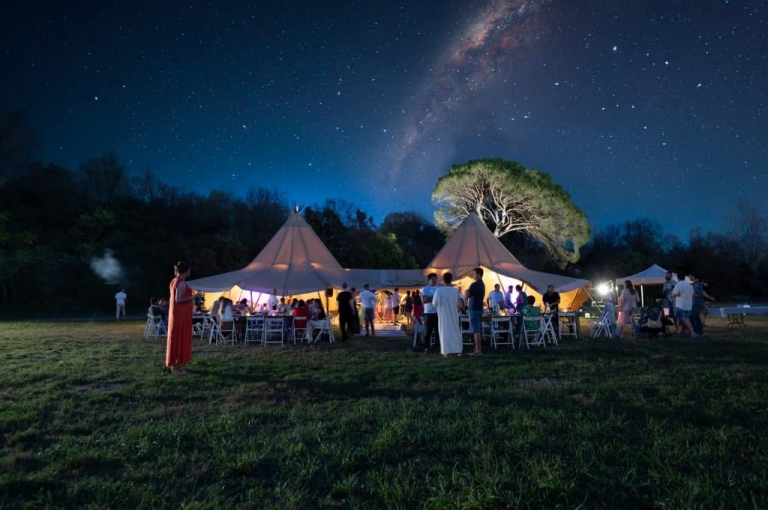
x=511 y=198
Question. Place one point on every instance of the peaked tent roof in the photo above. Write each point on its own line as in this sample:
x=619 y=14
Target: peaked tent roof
x=473 y=245
x=653 y=275
x=294 y=261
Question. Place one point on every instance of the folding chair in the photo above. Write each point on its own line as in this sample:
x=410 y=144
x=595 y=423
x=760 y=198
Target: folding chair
x=603 y=326
x=274 y=331
x=254 y=329
x=467 y=337
x=532 y=328
x=155 y=326
x=226 y=333
x=418 y=330
x=299 y=331
x=548 y=330
x=502 y=332
x=326 y=328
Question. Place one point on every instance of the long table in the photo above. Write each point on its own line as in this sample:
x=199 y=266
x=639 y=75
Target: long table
x=736 y=314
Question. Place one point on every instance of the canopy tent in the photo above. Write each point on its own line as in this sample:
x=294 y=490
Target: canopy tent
x=654 y=275
x=295 y=261
x=386 y=278
x=473 y=245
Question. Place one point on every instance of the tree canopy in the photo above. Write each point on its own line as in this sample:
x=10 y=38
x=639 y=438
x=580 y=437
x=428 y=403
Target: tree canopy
x=511 y=198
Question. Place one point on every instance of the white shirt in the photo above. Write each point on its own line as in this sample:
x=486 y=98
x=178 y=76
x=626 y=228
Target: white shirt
x=273 y=302
x=495 y=298
x=120 y=297
x=683 y=293
x=367 y=299
x=428 y=291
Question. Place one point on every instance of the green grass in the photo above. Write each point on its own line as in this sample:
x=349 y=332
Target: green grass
x=89 y=419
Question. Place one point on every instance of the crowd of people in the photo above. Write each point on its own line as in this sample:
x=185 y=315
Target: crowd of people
x=681 y=309
x=434 y=309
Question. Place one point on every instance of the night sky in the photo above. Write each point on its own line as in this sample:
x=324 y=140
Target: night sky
x=638 y=108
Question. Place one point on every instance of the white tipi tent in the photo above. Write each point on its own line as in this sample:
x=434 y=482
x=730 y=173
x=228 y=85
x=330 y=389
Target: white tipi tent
x=473 y=245
x=295 y=261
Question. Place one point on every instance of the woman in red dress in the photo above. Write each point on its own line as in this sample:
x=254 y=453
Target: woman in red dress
x=179 y=347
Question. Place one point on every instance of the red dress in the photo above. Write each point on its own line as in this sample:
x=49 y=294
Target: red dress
x=179 y=347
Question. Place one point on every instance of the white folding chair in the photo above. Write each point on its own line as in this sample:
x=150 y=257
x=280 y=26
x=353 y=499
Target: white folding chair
x=502 y=332
x=547 y=332
x=531 y=331
x=274 y=331
x=467 y=337
x=226 y=333
x=603 y=326
x=568 y=324
x=325 y=328
x=300 y=333
x=155 y=326
x=254 y=329
x=418 y=330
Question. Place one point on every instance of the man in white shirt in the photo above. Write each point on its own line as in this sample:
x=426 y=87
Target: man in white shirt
x=368 y=301
x=120 y=299
x=430 y=312
x=683 y=294
x=395 y=305
x=496 y=298
x=273 y=301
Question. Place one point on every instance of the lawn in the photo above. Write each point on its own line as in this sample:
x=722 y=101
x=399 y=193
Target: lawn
x=89 y=418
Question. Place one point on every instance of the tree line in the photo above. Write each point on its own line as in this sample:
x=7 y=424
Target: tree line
x=56 y=223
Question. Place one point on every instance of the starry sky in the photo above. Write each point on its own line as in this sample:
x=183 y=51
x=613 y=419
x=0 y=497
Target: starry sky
x=650 y=109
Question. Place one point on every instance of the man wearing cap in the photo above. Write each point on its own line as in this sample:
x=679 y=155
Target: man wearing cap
x=346 y=307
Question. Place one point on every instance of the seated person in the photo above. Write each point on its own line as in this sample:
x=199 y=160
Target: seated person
x=318 y=316
x=226 y=313
x=462 y=307
x=282 y=308
x=154 y=308
x=242 y=307
x=532 y=314
x=300 y=314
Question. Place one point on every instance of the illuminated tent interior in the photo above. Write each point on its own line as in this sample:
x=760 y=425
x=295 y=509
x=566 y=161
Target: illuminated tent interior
x=473 y=245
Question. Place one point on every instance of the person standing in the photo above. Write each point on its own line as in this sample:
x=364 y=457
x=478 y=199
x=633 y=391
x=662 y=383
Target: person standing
x=395 y=305
x=628 y=301
x=509 y=300
x=346 y=307
x=697 y=304
x=475 y=294
x=551 y=301
x=521 y=299
x=178 y=350
x=272 y=302
x=120 y=299
x=445 y=300
x=368 y=300
x=430 y=312
x=408 y=308
x=683 y=294
x=669 y=301
x=496 y=299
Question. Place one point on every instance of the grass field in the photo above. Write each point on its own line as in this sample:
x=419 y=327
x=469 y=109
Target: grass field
x=89 y=419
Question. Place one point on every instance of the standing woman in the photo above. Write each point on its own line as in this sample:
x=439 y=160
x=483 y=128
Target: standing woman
x=628 y=301
x=179 y=347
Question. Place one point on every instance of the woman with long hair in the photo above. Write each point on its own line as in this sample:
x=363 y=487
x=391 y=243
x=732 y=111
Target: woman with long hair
x=178 y=350
x=628 y=301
